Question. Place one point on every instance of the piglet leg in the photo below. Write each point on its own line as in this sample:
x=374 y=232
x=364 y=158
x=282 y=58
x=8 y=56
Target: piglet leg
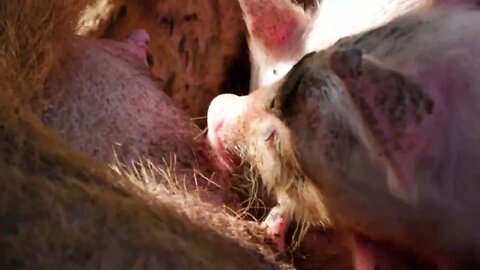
x=276 y=225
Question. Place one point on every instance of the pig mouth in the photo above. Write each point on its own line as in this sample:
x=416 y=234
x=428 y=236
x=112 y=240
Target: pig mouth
x=228 y=158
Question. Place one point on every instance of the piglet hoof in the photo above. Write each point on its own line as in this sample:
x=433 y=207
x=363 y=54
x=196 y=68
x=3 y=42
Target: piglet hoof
x=276 y=226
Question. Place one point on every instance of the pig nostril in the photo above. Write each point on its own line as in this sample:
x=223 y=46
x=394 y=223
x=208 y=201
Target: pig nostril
x=219 y=125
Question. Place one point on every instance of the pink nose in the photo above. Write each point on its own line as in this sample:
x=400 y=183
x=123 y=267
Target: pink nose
x=222 y=110
x=139 y=36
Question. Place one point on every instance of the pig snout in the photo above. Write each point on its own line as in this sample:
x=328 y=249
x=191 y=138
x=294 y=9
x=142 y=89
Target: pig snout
x=139 y=37
x=223 y=113
x=138 y=42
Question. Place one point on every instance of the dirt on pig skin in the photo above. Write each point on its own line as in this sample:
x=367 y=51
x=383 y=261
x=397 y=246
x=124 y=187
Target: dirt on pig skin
x=333 y=153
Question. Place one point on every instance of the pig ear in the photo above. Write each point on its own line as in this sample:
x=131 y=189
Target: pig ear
x=388 y=109
x=277 y=25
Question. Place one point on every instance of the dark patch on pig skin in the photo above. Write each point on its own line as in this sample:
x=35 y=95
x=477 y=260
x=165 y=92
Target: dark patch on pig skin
x=347 y=63
x=397 y=97
x=168 y=23
x=398 y=100
x=305 y=85
x=150 y=60
x=384 y=40
x=283 y=98
x=169 y=84
x=182 y=49
x=190 y=17
x=389 y=32
x=181 y=45
x=122 y=12
x=339 y=142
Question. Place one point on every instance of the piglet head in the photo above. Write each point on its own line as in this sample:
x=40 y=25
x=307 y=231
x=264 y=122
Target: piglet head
x=353 y=119
x=240 y=125
x=139 y=37
x=339 y=120
x=248 y=129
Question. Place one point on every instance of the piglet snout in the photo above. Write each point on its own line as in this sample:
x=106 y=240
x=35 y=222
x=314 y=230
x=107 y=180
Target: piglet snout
x=139 y=37
x=137 y=42
x=223 y=111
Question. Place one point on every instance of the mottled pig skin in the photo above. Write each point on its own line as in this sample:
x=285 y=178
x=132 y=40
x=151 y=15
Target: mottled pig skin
x=281 y=32
x=376 y=135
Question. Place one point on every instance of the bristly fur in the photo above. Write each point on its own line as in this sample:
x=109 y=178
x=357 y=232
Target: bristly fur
x=276 y=164
x=280 y=172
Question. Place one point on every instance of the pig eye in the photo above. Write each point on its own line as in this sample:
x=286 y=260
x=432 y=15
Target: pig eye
x=275 y=106
x=272 y=104
x=274 y=72
x=268 y=134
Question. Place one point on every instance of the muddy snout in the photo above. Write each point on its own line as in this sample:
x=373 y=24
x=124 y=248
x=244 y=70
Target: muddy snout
x=222 y=117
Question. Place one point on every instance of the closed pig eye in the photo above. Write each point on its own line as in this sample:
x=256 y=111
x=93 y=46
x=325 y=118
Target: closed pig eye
x=290 y=86
x=286 y=93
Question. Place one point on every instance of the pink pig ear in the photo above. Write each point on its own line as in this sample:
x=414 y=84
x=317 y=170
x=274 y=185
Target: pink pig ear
x=278 y=25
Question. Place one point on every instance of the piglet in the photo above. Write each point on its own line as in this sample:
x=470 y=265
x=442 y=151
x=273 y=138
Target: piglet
x=376 y=136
